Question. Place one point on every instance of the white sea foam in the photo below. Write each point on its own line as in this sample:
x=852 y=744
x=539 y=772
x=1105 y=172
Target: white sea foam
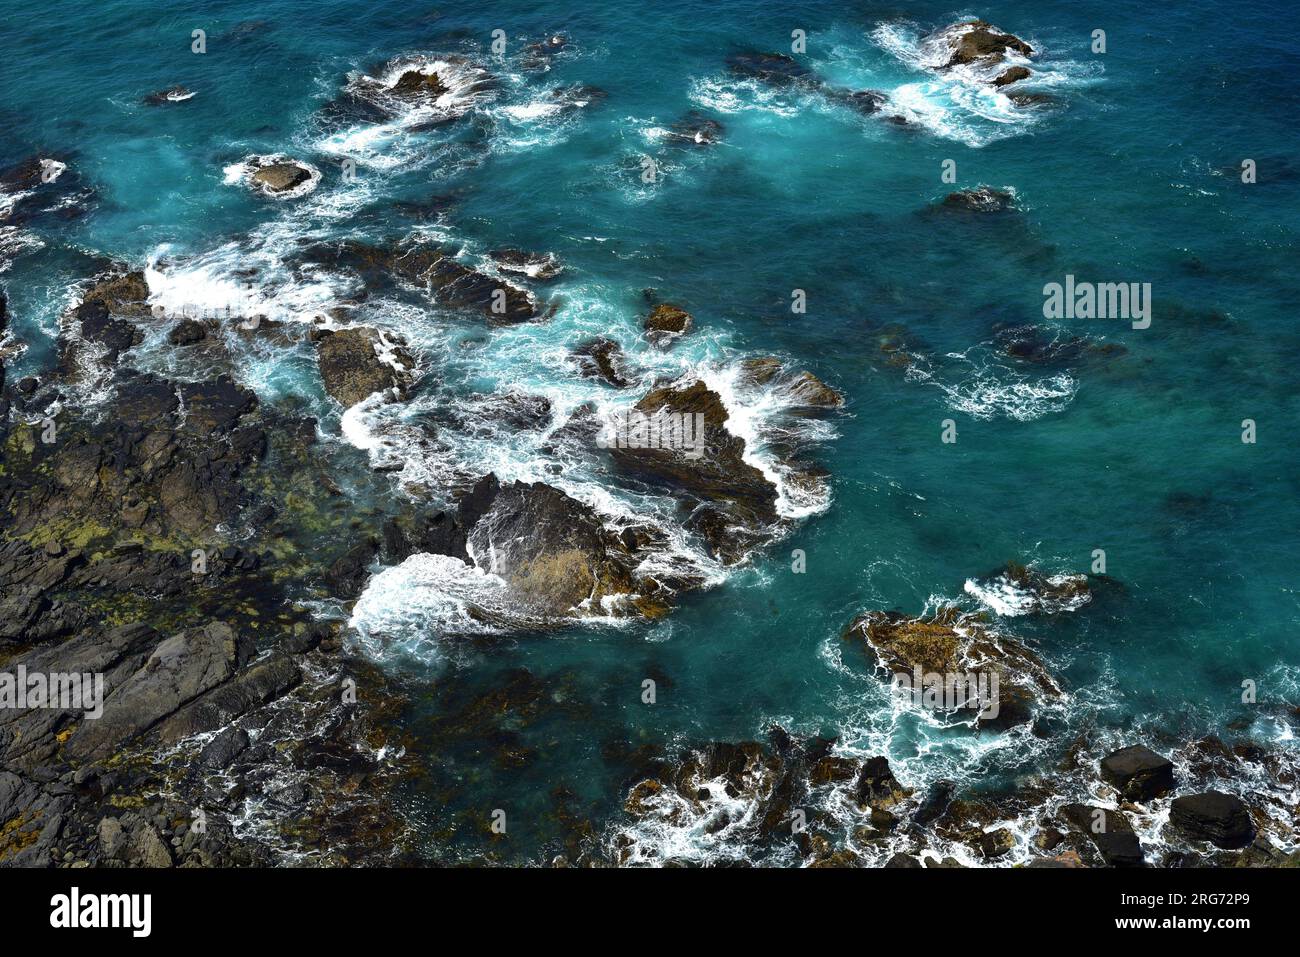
x=408 y=609
x=959 y=102
x=1008 y=599
x=725 y=94
x=991 y=393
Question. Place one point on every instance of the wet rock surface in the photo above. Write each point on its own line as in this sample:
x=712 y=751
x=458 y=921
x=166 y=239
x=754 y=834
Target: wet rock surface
x=734 y=503
x=1138 y=772
x=975 y=41
x=356 y=363
x=666 y=323
x=951 y=643
x=152 y=546
x=1221 y=819
x=281 y=177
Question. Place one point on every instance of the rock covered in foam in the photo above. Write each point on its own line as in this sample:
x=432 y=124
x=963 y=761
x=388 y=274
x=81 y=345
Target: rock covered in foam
x=173 y=94
x=982 y=199
x=952 y=643
x=540 y=266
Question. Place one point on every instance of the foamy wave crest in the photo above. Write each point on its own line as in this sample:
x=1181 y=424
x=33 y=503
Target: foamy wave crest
x=1010 y=599
x=466 y=85
x=1004 y=394
x=731 y=95
x=960 y=102
x=407 y=609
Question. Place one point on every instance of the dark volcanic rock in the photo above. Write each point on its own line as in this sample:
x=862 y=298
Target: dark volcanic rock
x=976 y=41
x=214 y=408
x=1222 y=819
x=1110 y=831
x=984 y=199
x=179 y=670
x=602 y=359
x=356 y=363
x=224 y=748
x=737 y=502
x=114 y=334
x=1138 y=773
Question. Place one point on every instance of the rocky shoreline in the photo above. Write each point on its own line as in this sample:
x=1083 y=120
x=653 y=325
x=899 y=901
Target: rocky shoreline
x=204 y=551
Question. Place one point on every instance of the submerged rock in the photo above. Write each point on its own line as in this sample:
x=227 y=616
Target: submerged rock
x=173 y=94
x=696 y=129
x=1023 y=590
x=778 y=69
x=1031 y=343
x=983 y=199
x=356 y=363
x=537 y=55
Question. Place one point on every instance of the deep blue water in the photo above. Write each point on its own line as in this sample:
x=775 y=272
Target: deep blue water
x=1130 y=174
